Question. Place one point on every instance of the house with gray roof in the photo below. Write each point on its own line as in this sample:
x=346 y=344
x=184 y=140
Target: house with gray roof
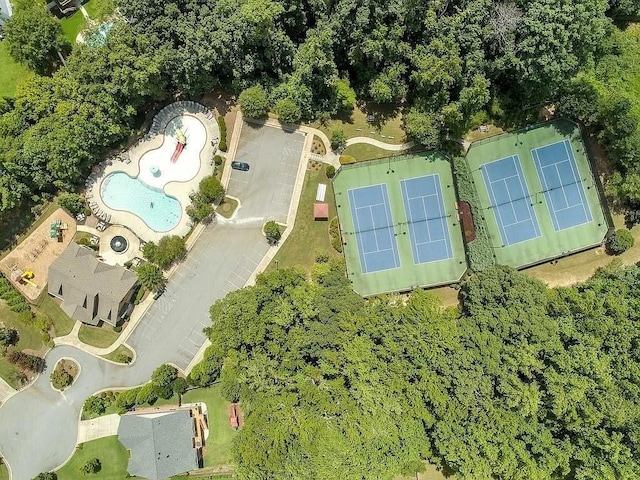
x=91 y=291
x=5 y=11
x=161 y=443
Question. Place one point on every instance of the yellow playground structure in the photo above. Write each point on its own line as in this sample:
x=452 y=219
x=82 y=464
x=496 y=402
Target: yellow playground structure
x=24 y=277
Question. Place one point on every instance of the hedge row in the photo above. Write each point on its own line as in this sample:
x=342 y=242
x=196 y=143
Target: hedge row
x=223 y=133
x=480 y=250
x=12 y=297
x=334 y=233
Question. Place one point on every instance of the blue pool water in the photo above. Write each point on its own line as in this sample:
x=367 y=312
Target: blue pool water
x=99 y=37
x=159 y=211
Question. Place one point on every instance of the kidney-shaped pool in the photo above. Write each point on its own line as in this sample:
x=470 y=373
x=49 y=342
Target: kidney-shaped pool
x=160 y=212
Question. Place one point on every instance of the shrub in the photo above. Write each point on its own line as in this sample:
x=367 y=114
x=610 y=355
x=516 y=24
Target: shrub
x=92 y=466
x=95 y=405
x=122 y=358
x=117 y=328
x=334 y=234
x=84 y=241
x=46 y=476
x=8 y=336
x=60 y=378
x=331 y=171
x=223 y=145
x=26 y=361
x=346 y=159
x=272 y=230
x=253 y=102
x=619 y=242
x=322 y=257
x=139 y=295
x=218 y=160
x=72 y=203
x=127 y=399
x=338 y=140
x=222 y=124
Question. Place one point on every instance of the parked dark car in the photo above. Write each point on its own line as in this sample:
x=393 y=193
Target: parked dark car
x=159 y=293
x=240 y=166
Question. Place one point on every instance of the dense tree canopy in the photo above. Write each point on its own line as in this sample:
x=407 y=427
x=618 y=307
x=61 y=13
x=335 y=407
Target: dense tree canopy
x=522 y=382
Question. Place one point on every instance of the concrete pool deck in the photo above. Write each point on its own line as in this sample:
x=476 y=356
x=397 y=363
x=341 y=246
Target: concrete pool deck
x=180 y=189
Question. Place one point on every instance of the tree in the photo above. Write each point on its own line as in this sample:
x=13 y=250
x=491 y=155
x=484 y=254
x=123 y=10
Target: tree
x=199 y=210
x=169 y=249
x=147 y=394
x=163 y=379
x=8 y=336
x=288 y=112
x=60 y=378
x=620 y=241
x=34 y=37
x=92 y=466
x=272 y=231
x=422 y=127
x=253 y=102
x=46 y=476
x=211 y=189
x=95 y=405
x=150 y=276
x=338 y=140
x=72 y=203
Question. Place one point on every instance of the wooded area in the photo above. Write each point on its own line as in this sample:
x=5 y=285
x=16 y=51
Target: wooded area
x=523 y=382
x=446 y=64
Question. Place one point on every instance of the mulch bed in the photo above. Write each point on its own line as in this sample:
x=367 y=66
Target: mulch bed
x=469 y=229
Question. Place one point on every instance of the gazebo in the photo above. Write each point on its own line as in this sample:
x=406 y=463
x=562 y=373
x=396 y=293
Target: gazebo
x=320 y=211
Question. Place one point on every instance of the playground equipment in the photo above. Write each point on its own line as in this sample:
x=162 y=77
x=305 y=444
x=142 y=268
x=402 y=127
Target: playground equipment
x=182 y=141
x=26 y=276
x=56 y=229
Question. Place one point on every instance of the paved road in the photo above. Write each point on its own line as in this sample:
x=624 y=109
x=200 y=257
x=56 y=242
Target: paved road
x=39 y=425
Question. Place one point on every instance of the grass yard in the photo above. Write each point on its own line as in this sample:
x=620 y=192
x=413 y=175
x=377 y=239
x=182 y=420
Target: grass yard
x=11 y=72
x=308 y=237
x=387 y=125
x=62 y=323
x=121 y=350
x=100 y=337
x=98 y=10
x=4 y=472
x=227 y=207
x=111 y=453
x=218 y=445
x=72 y=26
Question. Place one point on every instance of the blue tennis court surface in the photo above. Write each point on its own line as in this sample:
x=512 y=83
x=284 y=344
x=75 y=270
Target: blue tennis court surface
x=373 y=223
x=510 y=200
x=428 y=229
x=562 y=185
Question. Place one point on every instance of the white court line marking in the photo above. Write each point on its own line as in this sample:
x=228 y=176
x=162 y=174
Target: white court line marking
x=412 y=233
x=387 y=212
x=576 y=175
x=362 y=256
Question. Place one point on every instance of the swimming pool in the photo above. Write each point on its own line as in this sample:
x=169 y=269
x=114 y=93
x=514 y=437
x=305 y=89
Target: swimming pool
x=158 y=211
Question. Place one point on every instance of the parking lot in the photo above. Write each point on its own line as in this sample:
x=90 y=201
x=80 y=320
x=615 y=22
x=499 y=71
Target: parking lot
x=274 y=158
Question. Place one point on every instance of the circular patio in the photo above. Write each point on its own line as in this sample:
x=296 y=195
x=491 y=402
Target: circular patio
x=118 y=245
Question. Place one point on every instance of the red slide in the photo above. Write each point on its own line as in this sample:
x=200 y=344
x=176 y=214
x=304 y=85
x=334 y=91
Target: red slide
x=177 y=152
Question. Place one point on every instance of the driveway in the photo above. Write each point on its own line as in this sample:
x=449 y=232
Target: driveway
x=40 y=425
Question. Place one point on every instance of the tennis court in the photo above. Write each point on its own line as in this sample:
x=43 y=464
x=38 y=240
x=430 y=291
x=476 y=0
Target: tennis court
x=510 y=200
x=429 y=233
x=398 y=223
x=374 y=228
x=562 y=185
x=538 y=196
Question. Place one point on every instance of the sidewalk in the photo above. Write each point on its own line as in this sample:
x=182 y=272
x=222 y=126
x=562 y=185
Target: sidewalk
x=99 y=427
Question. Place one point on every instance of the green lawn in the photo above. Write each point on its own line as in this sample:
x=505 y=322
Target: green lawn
x=364 y=151
x=227 y=207
x=100 y=337
x=11 y=72
x=387 y=126
x=309 y=236
x=72 y=26
x=4 y=473
x=62 y=323
x=99 y=9
x=111 y=453
x=217 y=449
x=121 y=349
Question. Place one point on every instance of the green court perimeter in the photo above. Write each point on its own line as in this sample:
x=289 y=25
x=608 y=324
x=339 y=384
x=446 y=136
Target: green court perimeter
x=551 y=243
x=391 y=172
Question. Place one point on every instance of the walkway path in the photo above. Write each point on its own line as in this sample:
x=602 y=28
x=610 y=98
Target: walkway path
x=377 y=143
x=99 y=427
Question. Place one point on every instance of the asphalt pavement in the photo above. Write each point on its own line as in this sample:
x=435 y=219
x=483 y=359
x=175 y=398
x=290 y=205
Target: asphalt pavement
x=39 y=425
